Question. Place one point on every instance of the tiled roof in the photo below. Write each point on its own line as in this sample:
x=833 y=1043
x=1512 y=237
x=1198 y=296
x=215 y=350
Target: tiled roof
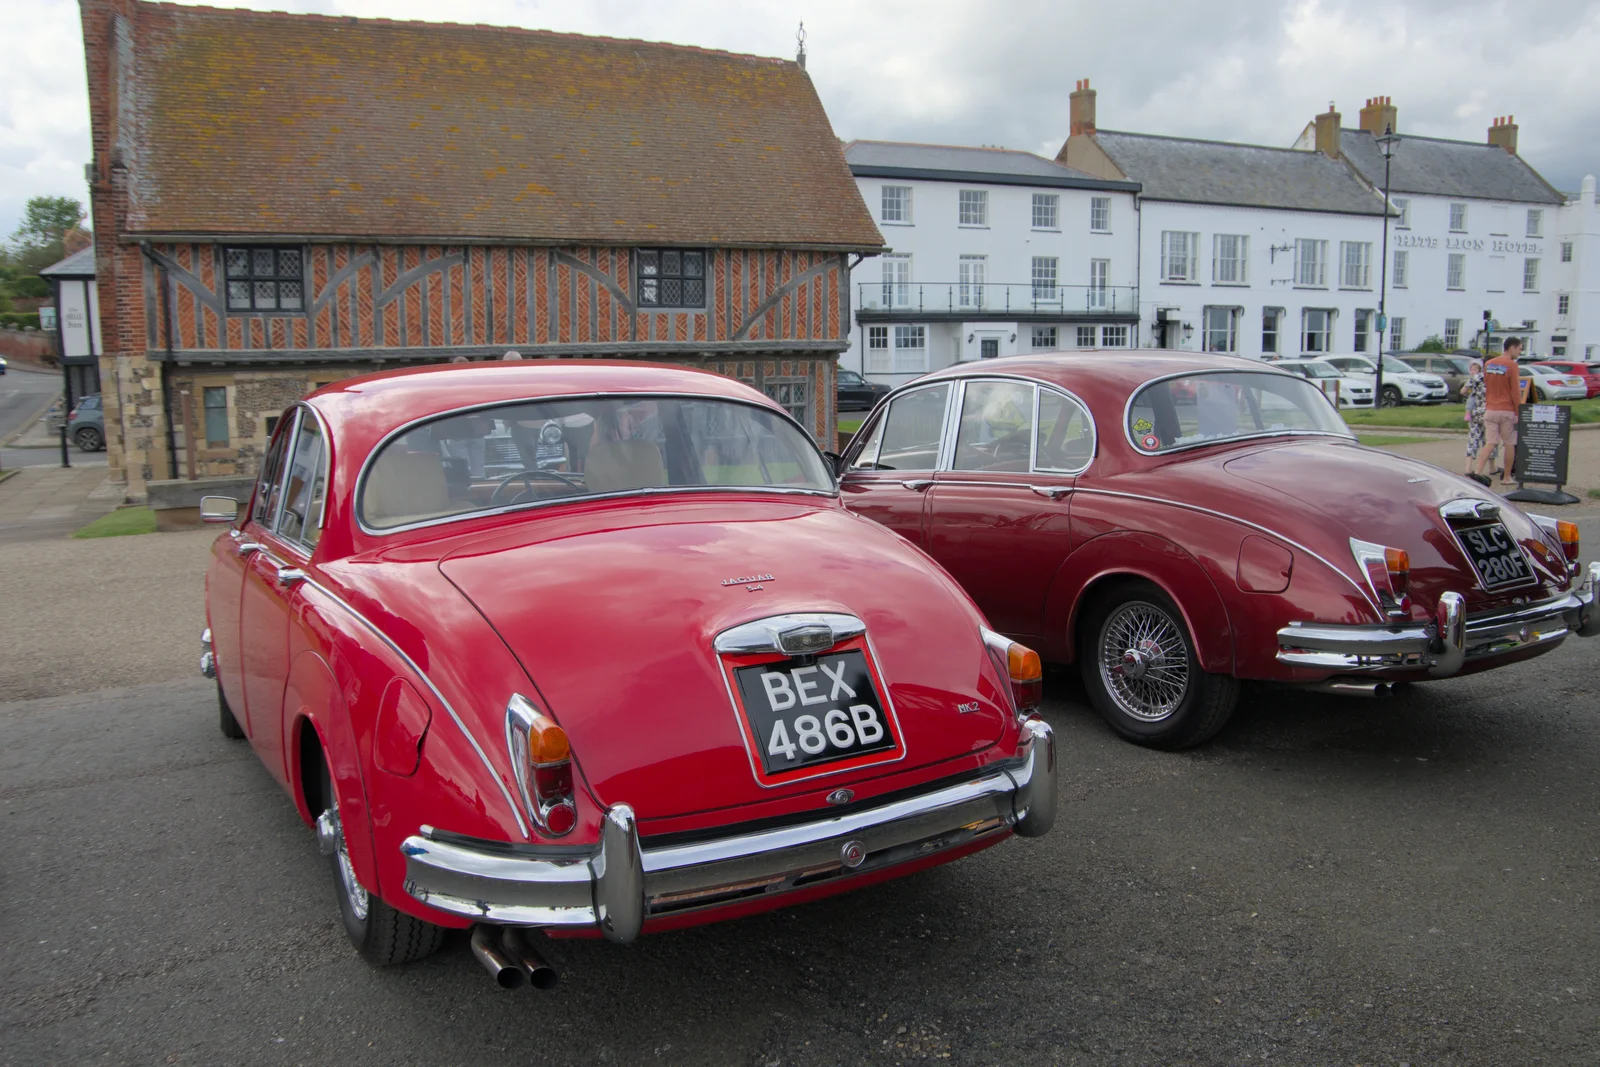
x=267 y=123
x=1243 y=175
x=1429 y=165
x=78 y=265
x=1001 y=166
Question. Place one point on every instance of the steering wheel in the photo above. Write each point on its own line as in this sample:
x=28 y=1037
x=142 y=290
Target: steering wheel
x=526 y=477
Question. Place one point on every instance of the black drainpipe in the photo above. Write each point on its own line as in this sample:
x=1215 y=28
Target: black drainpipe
x=166 y=387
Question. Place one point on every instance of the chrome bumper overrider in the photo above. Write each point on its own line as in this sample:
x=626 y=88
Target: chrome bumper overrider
x=619 y=884
x=208 y=659
x=1445 y=644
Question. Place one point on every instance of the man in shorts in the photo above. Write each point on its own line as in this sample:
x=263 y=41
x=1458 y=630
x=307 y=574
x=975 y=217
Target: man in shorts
x=1502 y=385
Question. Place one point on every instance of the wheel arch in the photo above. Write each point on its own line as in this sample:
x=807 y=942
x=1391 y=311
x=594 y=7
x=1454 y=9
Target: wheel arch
x=1100 y=565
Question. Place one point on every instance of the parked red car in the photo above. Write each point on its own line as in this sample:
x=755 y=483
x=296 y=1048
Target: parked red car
x=1176 y=523
x=594 y=649
x=1589 y=372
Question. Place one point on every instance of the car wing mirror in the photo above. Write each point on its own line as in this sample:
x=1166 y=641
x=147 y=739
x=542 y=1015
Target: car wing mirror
x=218 y=509
x=835 y=463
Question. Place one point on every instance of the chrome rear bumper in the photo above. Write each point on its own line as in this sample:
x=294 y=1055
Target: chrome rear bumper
x=619 y=884
x=1445 y=645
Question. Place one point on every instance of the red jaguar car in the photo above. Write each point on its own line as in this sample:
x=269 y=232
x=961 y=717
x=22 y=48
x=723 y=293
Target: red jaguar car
x=594 y=649
x=1175 y=523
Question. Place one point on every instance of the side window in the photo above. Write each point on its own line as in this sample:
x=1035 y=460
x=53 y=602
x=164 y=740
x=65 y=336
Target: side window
x=270 y=482
x=302 y=502
x=867 y=458
x=912 y=428
x=996 y=429
x=1066 y=434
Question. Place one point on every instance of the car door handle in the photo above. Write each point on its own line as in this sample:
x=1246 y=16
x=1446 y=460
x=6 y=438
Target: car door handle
x=1054 y=492
x=918 y=484
x=289 y=575
x=244 y=548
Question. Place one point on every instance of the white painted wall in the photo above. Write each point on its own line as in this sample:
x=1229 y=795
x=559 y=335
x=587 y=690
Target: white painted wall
x=1579 y=223
x=936 y=240
x=1271 y=275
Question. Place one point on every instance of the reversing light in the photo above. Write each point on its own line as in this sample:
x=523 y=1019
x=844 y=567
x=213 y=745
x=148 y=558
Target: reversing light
x=541 y=761
x=1021 y=667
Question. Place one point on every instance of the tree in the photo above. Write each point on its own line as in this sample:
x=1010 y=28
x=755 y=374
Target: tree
x=1432 y=344
x=37 y=242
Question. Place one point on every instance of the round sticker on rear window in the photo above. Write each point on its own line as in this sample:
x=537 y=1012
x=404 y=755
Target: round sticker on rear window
x=1151 y=441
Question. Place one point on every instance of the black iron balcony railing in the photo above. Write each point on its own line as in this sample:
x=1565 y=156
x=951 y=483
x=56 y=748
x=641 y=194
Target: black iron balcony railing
x=992 y=298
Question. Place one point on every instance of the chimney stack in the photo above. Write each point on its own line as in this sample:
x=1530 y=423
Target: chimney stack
x=1082 y=108
x=1328 y=132
x=1380 y=116
x=1504 y=133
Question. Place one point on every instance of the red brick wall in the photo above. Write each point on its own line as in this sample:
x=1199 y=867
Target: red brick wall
x=464 y=297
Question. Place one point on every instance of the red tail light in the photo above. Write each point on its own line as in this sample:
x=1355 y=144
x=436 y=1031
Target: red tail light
x=541 y=760
x=1020 y=665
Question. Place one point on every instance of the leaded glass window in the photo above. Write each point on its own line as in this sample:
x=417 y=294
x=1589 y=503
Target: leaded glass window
x=265 y=279
x=672 y=278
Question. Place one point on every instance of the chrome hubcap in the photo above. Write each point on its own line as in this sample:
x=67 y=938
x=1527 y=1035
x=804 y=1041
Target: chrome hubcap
x=353 y=890
x=1144 y=662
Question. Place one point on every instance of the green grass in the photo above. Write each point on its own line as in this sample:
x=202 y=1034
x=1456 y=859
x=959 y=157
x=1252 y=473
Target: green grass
x=1384 y=440
x=1448 y=416
x=1594 y=494
x=121 y=523
x=851 y=424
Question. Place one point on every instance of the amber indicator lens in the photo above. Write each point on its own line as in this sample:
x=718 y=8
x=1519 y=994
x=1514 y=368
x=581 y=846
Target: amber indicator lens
x=1397 y=561
x=1567 y=533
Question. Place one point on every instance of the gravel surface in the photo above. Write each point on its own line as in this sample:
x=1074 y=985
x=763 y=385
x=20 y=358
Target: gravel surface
x=85 y=615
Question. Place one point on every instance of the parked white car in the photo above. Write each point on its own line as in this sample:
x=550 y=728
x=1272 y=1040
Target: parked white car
x=1337 y=386
x=1402 y=383
x=1552 y=383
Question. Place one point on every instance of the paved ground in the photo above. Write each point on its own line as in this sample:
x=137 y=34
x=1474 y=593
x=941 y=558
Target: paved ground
x=46 y=503
x=1450 y=452
x=1330 y=882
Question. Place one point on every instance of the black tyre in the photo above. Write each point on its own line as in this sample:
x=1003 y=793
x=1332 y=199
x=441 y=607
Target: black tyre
x=88 y=439
x=381 y=934
x=230 y=725
x=1391 y=396
x=1140 y=669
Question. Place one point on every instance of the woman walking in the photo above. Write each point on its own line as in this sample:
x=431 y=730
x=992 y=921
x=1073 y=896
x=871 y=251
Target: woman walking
x=1473 y=393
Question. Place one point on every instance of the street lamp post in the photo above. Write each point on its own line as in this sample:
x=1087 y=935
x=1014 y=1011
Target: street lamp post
x=1386 y=145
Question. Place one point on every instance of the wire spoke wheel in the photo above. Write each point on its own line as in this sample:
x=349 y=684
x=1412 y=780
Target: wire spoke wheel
x=355 y=893
x=1144 y=661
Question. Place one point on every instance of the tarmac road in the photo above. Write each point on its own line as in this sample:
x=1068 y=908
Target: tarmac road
x=1332 y=881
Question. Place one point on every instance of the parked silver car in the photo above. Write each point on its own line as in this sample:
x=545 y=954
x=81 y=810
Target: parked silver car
x=86 y=425
x=1346 y=391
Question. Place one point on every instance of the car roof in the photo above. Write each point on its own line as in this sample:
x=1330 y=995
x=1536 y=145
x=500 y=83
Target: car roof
x=1125 y=367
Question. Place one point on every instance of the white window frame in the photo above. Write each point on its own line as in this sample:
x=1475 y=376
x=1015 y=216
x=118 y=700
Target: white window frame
x=1455 y=271
x=1045 y=277
x=1114 y=336
x=1232 y=268
x=972 y=207
x=913 y=341
x=1402 y=204
x=1530 y=274
x=903 y=207
x=1050 y=205
x=1306 y=333
x=1355 y=264
x=1535 y=222
x=1173 y=256
x=1458 y=216
x=1228 y=334
x=880 y=359
x=1310 y=270
x=1099 y=214
x=1363 y=329
x=1452 y=333
x=1048 y=334
x=1563 y=304
x=1275 y=317
x=1402 y=269
x=1566 y=251
x=973 y=272
x=1086 y=337
x=1397 y=335
x=1099 y=294
x=896 y=274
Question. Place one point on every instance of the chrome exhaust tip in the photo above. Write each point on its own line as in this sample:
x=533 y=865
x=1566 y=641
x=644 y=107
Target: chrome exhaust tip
x=516 y=944
x=506 y=972
x=1351 y=688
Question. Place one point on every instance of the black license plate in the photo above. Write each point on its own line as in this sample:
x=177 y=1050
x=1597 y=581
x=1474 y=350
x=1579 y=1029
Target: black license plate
x=822 y=711
x=1494 y=555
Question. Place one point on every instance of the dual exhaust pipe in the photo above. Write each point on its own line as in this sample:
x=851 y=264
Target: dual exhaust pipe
x=1354 y=688
x=510 y=960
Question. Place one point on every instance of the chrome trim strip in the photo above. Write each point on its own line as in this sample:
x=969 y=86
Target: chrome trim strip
x=1242 y=522
x=1127 y=409
x=456 y=718
x=770 y=407
x=766 y=635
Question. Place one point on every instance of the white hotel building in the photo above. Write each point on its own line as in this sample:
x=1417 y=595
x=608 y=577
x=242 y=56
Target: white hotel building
x=992 y=252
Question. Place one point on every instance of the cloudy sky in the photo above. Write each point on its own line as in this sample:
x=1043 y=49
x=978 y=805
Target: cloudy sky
x=955 y=71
